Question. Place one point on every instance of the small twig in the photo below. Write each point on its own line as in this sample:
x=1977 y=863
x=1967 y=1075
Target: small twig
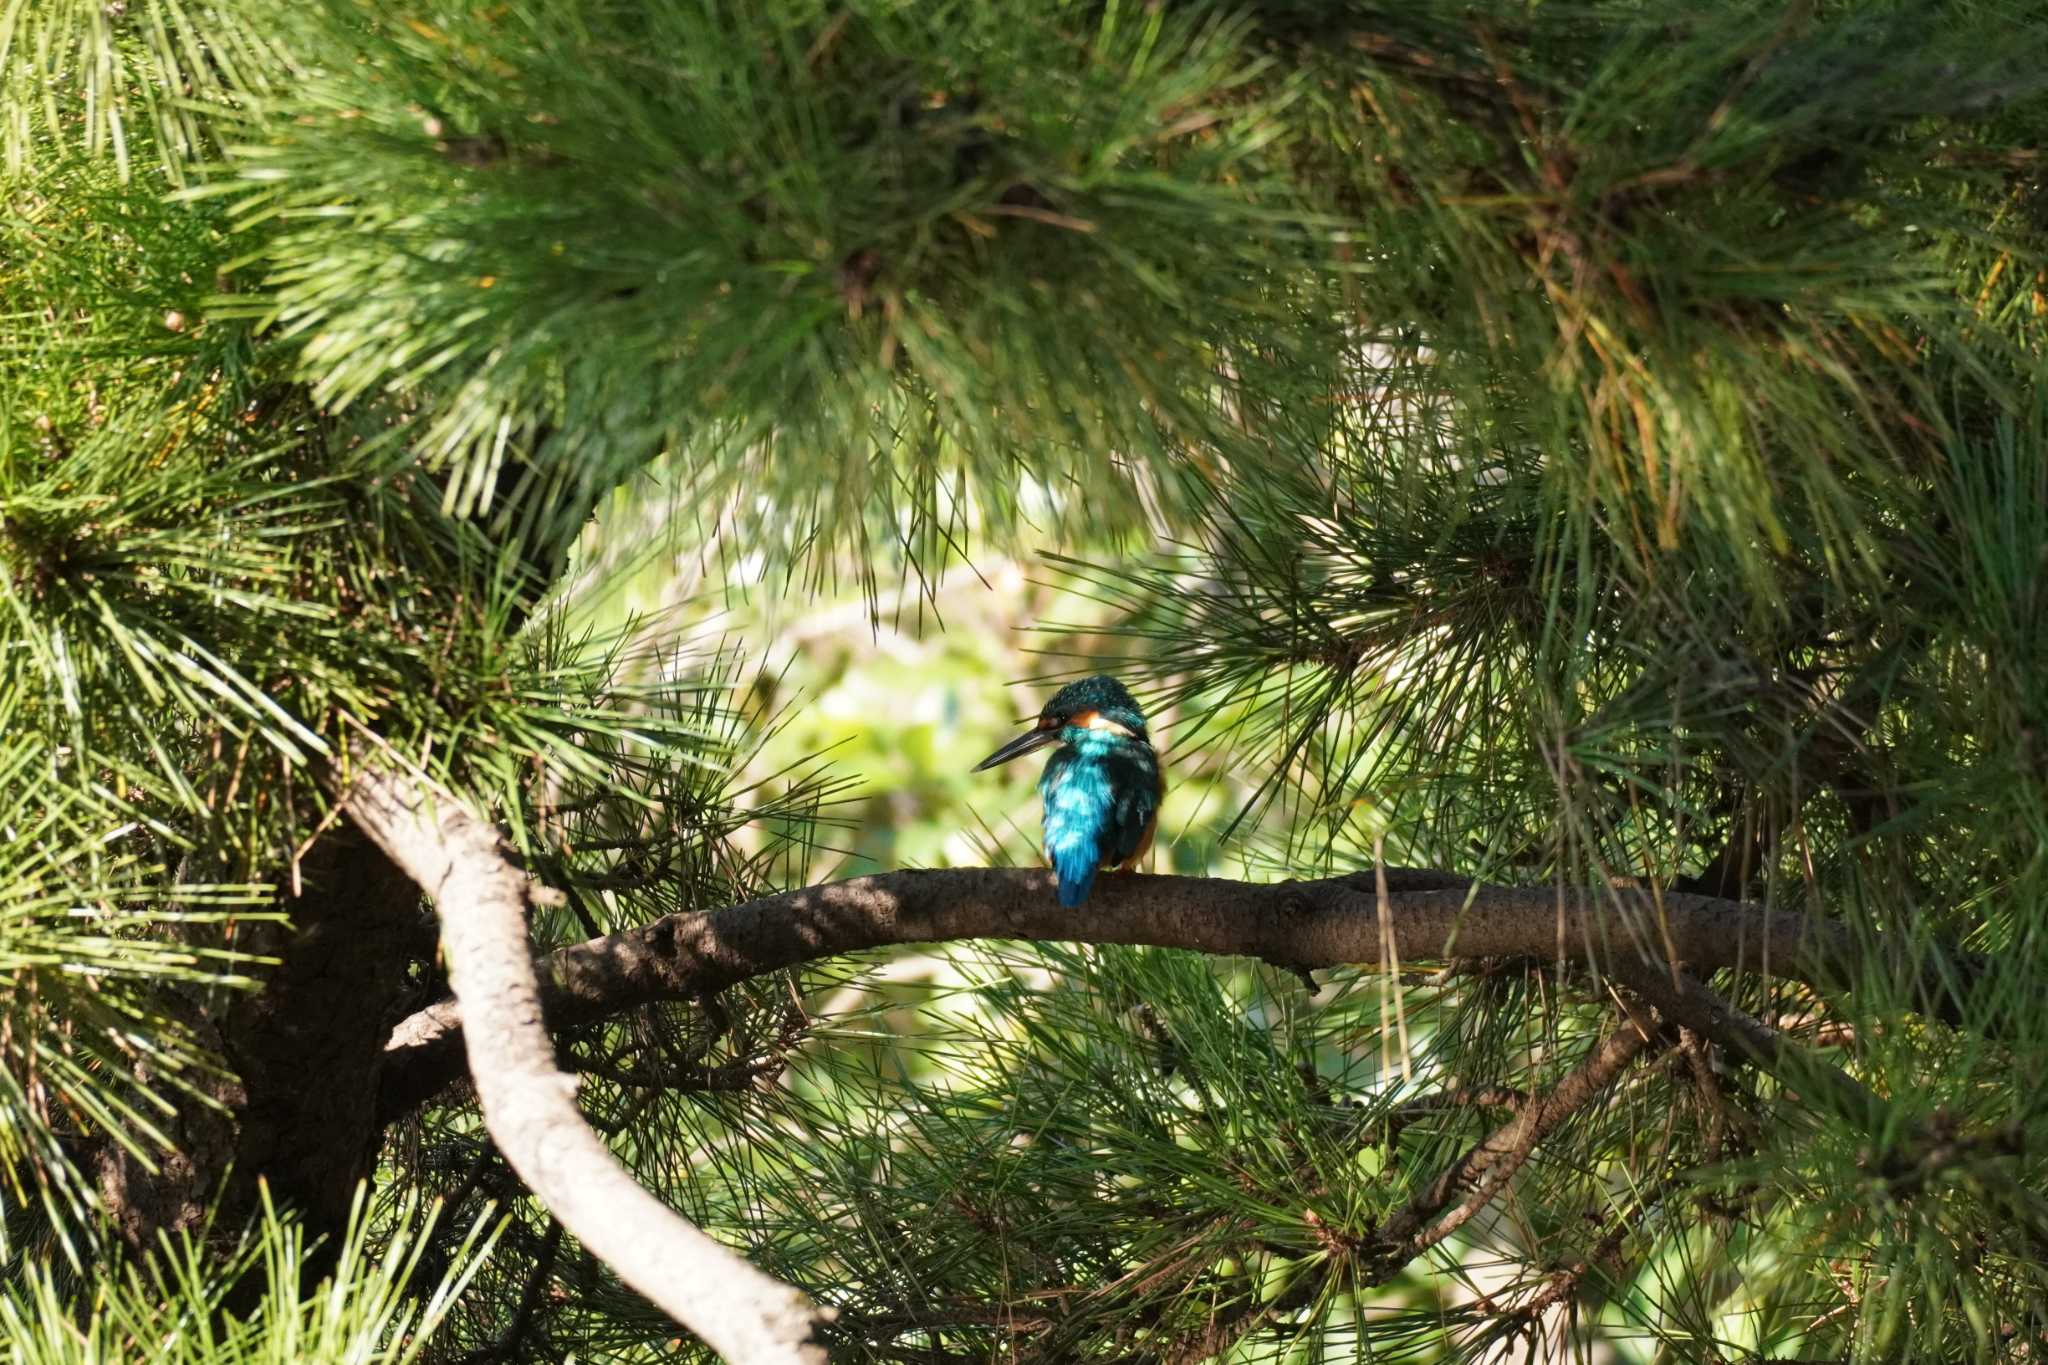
x=1484 y=1171
x=487 y=1155
x=1457 y=1097
x=1039 y=215
x=1221 y=1333
x=1225 y=1330
x=1686 y=1002
x=506 y=1347
x=1699 y=1056
x=733 y=1077
x=1390 y=956
x=1564 y=1283
x=1907 y=1170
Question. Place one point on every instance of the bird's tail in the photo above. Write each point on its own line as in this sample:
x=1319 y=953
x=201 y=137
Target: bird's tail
x=1075 y=868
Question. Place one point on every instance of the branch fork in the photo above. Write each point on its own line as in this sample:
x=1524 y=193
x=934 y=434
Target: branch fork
x=530 y=1107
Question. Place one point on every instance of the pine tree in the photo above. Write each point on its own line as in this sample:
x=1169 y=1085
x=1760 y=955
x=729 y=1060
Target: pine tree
x=1585 y=462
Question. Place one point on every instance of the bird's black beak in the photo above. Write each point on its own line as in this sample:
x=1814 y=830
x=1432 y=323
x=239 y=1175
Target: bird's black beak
x=1020 y=746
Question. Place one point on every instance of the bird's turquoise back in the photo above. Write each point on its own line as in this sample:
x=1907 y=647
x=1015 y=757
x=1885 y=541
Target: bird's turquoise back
x=1101 y=793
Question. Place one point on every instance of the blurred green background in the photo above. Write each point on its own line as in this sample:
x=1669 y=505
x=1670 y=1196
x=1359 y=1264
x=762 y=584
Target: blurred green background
x=901 y=689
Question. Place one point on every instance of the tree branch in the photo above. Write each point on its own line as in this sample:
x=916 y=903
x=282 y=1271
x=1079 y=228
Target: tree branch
x=1684 y=1001
x=1289 y=924
x=1484 y=1171
x=530 y=1108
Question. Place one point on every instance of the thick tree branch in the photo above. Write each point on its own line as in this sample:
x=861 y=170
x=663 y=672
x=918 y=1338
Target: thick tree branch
x=1432 y=918
x=530 y=1107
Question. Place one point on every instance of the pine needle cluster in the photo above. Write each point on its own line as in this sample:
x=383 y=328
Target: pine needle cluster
x=1567 y=445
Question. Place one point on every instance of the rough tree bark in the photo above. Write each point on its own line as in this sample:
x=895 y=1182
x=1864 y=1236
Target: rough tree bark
x=306 y=1045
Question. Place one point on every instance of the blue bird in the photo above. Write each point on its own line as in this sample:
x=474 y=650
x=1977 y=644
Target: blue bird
x=1103 y=786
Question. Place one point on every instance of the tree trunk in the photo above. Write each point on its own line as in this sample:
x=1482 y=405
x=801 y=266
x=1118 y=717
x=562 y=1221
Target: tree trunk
x=306 y=1051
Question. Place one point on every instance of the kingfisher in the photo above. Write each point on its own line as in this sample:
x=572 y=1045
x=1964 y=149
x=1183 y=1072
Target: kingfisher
x=1102 y=787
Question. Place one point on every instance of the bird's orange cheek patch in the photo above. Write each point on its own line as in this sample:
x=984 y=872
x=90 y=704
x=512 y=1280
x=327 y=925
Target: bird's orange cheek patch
x=1095 y=720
